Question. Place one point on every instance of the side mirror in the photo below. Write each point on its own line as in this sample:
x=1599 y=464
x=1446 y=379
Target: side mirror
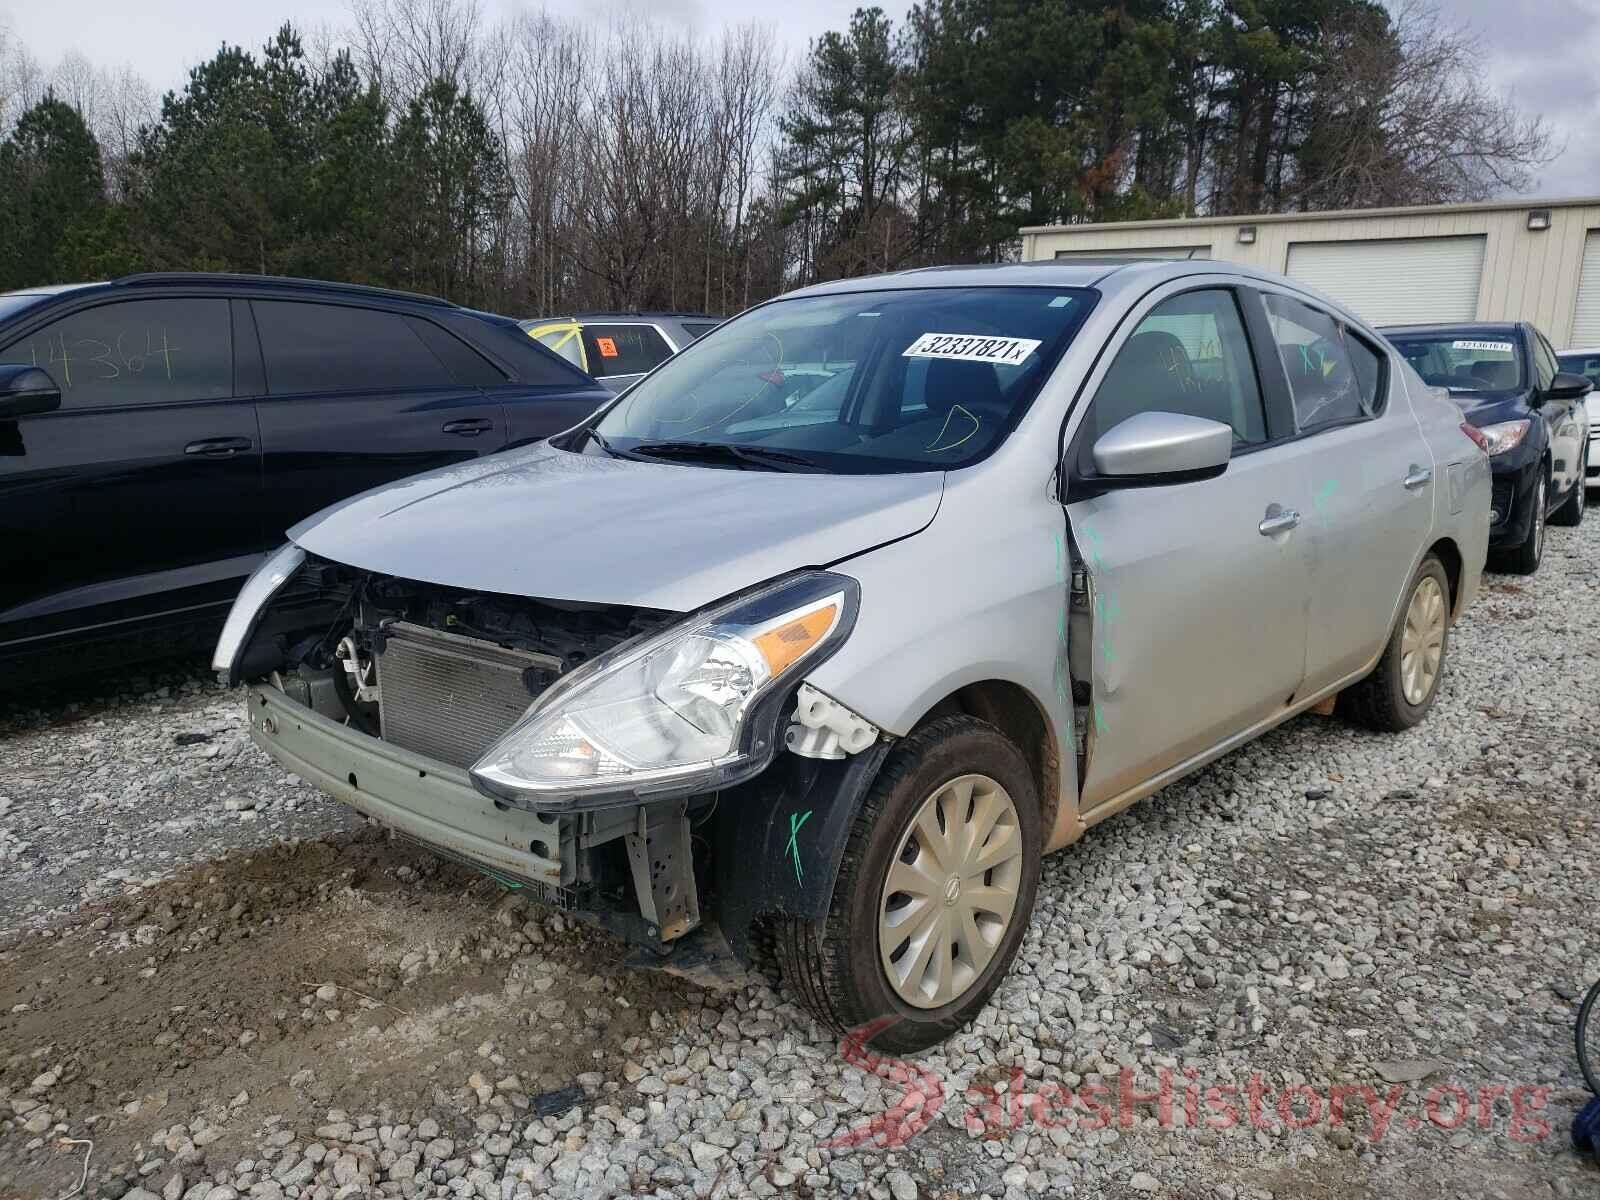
x=1155 y=448
x=1568 y=387
x=25 y=391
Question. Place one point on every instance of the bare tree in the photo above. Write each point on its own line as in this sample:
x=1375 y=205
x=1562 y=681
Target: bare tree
x=1405 y=117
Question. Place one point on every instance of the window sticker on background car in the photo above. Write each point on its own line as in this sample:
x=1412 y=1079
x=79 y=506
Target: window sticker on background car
x=607 y=347
x=1498 y=347
x=971 y=347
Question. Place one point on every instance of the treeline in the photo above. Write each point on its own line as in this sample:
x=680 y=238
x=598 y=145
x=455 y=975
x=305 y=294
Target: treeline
x=545 y=165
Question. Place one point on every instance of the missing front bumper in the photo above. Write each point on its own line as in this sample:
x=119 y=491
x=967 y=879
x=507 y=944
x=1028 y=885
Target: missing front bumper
x=420 y=798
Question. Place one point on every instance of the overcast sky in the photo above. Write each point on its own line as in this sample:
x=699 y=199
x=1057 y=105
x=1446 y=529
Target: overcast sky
x=1545 y=52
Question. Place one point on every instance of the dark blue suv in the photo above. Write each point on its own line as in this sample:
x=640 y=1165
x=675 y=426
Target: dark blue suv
x=159 y=432
x=1529 y=415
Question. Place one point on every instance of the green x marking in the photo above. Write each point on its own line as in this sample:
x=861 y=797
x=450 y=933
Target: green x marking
x=795 y=821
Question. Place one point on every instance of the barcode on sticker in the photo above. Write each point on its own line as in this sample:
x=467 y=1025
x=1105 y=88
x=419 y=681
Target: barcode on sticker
x=1497 y=347
x=971 y=347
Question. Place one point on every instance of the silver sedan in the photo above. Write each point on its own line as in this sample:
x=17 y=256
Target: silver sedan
x=829 y=628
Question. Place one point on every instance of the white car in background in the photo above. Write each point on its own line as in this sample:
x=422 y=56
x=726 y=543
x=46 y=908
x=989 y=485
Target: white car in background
x=1586 y=362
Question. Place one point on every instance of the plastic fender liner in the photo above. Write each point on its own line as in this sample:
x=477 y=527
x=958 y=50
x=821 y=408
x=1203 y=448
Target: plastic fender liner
x=781 y=836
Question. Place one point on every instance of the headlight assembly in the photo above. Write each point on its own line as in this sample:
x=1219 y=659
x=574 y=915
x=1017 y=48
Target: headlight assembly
x=689 y=709
x=1506 y=435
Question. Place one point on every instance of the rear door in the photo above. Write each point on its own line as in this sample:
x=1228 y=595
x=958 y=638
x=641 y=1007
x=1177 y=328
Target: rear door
x=356 y=396
x=138 y=495
x=621 y=353
x=1370 y=475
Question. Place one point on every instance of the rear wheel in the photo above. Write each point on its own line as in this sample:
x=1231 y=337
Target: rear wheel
x=934 y=892
x=1401 y=689
x=1572 y=508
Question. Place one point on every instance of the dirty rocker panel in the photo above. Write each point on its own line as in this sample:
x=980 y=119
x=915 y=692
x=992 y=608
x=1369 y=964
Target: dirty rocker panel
x=429 y=801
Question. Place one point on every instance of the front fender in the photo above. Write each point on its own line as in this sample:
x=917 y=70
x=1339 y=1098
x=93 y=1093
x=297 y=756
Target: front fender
x=780 y=839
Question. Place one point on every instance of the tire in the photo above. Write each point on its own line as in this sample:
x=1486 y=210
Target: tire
x=1572 y=508
x=1381 y=700
x=835 y=966
x=1524 y=559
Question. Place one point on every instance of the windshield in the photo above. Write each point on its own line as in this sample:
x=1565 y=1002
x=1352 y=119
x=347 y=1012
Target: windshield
x=1582 y=362
x=1464 y=361
x=920 y=379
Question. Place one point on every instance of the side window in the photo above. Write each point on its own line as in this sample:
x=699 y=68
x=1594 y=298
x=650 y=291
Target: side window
x=698 y=329
x=135 y=352
x=1334 y=376
x=563 y=341
x=624 y=349
x=466 y=366
x=335 y=348
x=1544 y=360
x=1188 y=355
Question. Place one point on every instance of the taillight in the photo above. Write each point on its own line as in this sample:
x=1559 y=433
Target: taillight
x=1478 y=440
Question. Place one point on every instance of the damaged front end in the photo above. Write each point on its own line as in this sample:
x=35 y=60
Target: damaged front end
x=616 y=762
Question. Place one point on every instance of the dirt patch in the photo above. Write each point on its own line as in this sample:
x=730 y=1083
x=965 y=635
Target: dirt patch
x=269 y=987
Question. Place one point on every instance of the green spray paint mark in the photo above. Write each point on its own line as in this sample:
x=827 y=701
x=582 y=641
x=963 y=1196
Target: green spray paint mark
x=796 y=820
x=1322 y=497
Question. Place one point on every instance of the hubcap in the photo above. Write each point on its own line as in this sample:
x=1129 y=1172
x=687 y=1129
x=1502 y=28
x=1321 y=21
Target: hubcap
x=951 y=891
x=1422 y=641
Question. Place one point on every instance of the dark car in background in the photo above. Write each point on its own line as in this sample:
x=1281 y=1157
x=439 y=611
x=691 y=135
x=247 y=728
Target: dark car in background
x=159 y=432
x=1586 y=362
x=1531 y=415
x=619 y=349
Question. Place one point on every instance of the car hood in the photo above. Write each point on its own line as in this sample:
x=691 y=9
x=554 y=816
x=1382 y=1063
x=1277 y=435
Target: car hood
x=547 y=523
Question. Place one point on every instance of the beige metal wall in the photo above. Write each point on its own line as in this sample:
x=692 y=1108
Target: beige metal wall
x=1527 y=276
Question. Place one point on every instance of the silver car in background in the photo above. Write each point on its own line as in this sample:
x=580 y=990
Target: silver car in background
x=821 y=635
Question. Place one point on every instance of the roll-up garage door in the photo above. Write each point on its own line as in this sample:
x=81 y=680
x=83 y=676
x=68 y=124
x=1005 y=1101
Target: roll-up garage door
x=1396 y=281
x=1586 y=318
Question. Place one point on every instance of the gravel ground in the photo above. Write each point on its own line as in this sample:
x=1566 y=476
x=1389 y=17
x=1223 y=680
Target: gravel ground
x=1401 y=924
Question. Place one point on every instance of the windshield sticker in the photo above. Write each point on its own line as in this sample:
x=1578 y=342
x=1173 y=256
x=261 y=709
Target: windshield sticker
x=971 y=347
x=606 y=346
x=1497 y=347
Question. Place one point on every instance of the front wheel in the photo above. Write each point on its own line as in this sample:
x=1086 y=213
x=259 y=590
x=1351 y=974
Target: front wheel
x=1524 y=559
x=934 y=891
x=1401 y=689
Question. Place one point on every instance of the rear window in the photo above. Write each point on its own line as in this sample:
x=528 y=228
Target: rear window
x=336 y=348
x=698 y=329
x=1464 y=360
x=624 y=349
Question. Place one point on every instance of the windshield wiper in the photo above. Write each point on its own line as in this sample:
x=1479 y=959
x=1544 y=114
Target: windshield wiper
x=599 y=439
x=764 y=458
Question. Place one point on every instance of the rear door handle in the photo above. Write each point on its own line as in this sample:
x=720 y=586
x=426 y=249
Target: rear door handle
x=1418 y=478
x=218 y=447
x=1278 y=522
x=468 y=426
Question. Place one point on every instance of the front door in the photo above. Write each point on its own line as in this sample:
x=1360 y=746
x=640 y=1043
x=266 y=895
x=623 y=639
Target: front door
x=356 y=397
x=1197 y=590
x=138 y=495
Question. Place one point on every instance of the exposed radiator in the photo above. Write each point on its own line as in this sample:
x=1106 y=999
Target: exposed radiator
x=451 y=697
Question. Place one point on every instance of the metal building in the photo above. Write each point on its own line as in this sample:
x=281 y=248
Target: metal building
x=1527 y=260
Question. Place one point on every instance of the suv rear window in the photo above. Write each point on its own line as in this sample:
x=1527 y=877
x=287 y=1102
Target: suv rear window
x=337 y=348
x=624 y=349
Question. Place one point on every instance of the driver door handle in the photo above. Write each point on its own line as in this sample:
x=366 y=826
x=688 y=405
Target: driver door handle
x=1418 y=478
x=218 y=447
x=1279 y=522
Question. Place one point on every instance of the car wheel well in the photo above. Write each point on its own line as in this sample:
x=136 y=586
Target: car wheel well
x=1012 y=710
x=1447 y=553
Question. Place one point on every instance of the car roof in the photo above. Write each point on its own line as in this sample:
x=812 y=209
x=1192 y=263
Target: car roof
x=1448 y=327
x=1113 y=274
x=163 y=279
x=623 y=316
